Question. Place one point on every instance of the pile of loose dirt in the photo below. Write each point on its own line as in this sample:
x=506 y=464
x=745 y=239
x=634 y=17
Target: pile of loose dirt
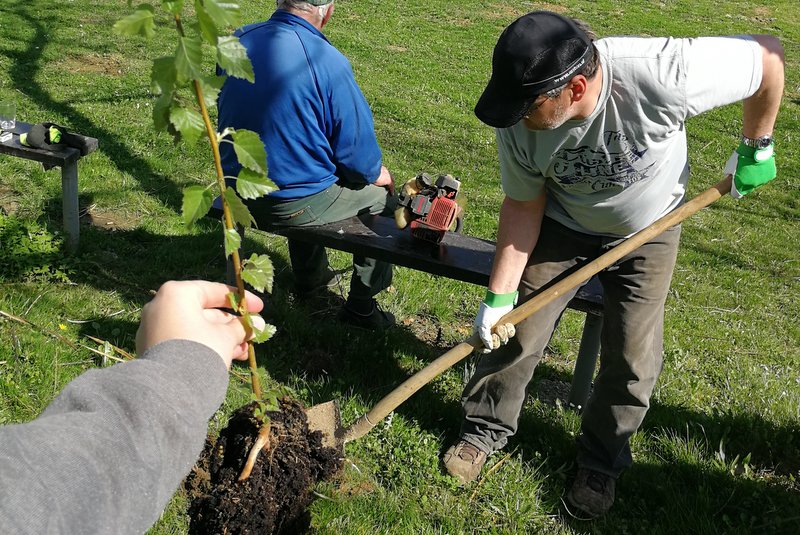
x=276 y=496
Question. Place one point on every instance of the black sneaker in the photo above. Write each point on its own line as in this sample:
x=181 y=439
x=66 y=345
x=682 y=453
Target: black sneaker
x=592 y=494
x=376 y=320
x=328 y=281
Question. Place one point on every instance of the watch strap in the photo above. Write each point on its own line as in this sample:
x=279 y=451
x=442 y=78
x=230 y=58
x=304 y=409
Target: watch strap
x=759 y=142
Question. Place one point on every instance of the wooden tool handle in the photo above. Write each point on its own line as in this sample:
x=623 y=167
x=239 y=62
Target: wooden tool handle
x=397 y=396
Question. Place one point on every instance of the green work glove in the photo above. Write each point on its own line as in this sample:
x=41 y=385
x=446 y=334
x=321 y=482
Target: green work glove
x=750 y=167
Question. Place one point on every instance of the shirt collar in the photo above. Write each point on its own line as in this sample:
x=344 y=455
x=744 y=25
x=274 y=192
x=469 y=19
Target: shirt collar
x=282 y=15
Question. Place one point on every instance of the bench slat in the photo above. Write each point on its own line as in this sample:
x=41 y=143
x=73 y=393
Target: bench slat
x=459 y=256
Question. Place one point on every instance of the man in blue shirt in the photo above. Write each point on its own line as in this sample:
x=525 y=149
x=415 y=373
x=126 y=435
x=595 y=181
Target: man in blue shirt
x=321 y=147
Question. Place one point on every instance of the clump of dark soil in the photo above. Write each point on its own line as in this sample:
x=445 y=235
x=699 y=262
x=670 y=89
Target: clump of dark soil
x=276 y=496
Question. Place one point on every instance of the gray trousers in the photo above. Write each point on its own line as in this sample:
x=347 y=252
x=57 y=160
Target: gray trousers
x=635 y=289
x=310 y=261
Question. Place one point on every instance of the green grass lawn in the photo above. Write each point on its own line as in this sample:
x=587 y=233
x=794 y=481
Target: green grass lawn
x=719 y=451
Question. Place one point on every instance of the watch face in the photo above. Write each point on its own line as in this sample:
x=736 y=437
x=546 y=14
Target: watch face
x=763 y=142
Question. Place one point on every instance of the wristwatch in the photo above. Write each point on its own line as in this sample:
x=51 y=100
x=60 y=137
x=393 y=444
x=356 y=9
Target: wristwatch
x=758 y=143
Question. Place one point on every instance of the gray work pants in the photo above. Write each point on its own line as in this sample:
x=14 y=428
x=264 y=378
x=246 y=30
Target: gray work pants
x=634 y=292
x=310 y=261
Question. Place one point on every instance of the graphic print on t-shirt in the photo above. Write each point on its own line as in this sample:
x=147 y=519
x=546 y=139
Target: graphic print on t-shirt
x=616 y=165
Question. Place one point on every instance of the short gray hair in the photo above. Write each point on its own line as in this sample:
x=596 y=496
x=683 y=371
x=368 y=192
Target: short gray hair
x=303 y=5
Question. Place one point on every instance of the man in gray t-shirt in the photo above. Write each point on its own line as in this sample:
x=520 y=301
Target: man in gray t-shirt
x=592 y=146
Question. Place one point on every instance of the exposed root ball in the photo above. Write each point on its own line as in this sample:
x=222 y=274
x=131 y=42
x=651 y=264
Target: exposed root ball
x=275 y=498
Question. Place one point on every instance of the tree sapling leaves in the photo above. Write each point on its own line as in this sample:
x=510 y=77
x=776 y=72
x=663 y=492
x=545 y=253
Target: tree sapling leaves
x=224 y=14
x=161 y=111
x=188 y=122
x=232 y=57
x=163 y=75
x=261 y=335
x=205 y=25
x=240 y=213
x=250 y=151
x=188 y=57
x=140 y=22
x=232 y=241
x=211 y=86
x=258 y=272
x=197 y=202
x=252 y=185
x=173 y=6
x=233 y=299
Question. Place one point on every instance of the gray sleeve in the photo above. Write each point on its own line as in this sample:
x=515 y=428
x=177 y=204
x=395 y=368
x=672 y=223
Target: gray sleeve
x=520 y=179
x=720 y=71
x=111 y=449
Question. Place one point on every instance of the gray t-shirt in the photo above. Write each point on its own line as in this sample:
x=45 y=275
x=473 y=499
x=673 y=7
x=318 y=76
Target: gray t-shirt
x=620 y=169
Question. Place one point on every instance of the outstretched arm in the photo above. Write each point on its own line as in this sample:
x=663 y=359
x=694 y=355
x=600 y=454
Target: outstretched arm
x=110 y=450
x=761 y=109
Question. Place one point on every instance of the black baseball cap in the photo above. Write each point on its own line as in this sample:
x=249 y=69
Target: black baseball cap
x=536 y=53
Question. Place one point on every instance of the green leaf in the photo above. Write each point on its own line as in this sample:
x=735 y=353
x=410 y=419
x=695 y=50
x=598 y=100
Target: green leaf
x=163 y=75
x=252 y=185
x=188 y=122
x=205 y=25
x=188 y=57
x=260 y=335
x=232 y=241
x=211 y=86
x=258 y=272
x=233 y=300
x=196 y=203
x=140 y=22
x=173 y=6
x=250 y=151
x=223 y=13
x=232 y=57
x=161 y=110
x=239 y=211
x=264 y=334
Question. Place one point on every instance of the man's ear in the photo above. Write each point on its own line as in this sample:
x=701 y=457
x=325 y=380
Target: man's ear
x=327 y=15
x=578 y=86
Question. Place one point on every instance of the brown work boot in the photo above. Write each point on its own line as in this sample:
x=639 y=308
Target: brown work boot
x=592 y=494
x=464 y=461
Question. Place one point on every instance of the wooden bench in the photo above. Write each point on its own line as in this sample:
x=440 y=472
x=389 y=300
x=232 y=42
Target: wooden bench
x=67 y=159
x=458 y=257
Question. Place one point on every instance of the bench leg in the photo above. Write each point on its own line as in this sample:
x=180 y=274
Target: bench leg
x=586 y=362
x=69 y=192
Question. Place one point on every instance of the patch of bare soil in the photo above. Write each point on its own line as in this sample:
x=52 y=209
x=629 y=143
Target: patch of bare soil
x=9 y=203
x=276 y=496
x=552 y=392
x=109 y=219
x=111 y=65
x=319 y=362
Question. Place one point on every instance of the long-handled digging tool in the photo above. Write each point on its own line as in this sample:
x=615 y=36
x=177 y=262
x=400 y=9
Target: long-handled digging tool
x=325 y=417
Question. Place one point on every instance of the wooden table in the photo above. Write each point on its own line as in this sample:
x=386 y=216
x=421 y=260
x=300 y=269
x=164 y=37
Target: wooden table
x=58 y=156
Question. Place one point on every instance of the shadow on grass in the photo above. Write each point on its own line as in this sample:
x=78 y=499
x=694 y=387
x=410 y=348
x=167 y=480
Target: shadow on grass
x=25 y=72
x=687 y=498
x=675 y=496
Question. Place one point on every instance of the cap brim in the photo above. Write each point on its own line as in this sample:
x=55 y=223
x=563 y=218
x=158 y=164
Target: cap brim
x=500 y=108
